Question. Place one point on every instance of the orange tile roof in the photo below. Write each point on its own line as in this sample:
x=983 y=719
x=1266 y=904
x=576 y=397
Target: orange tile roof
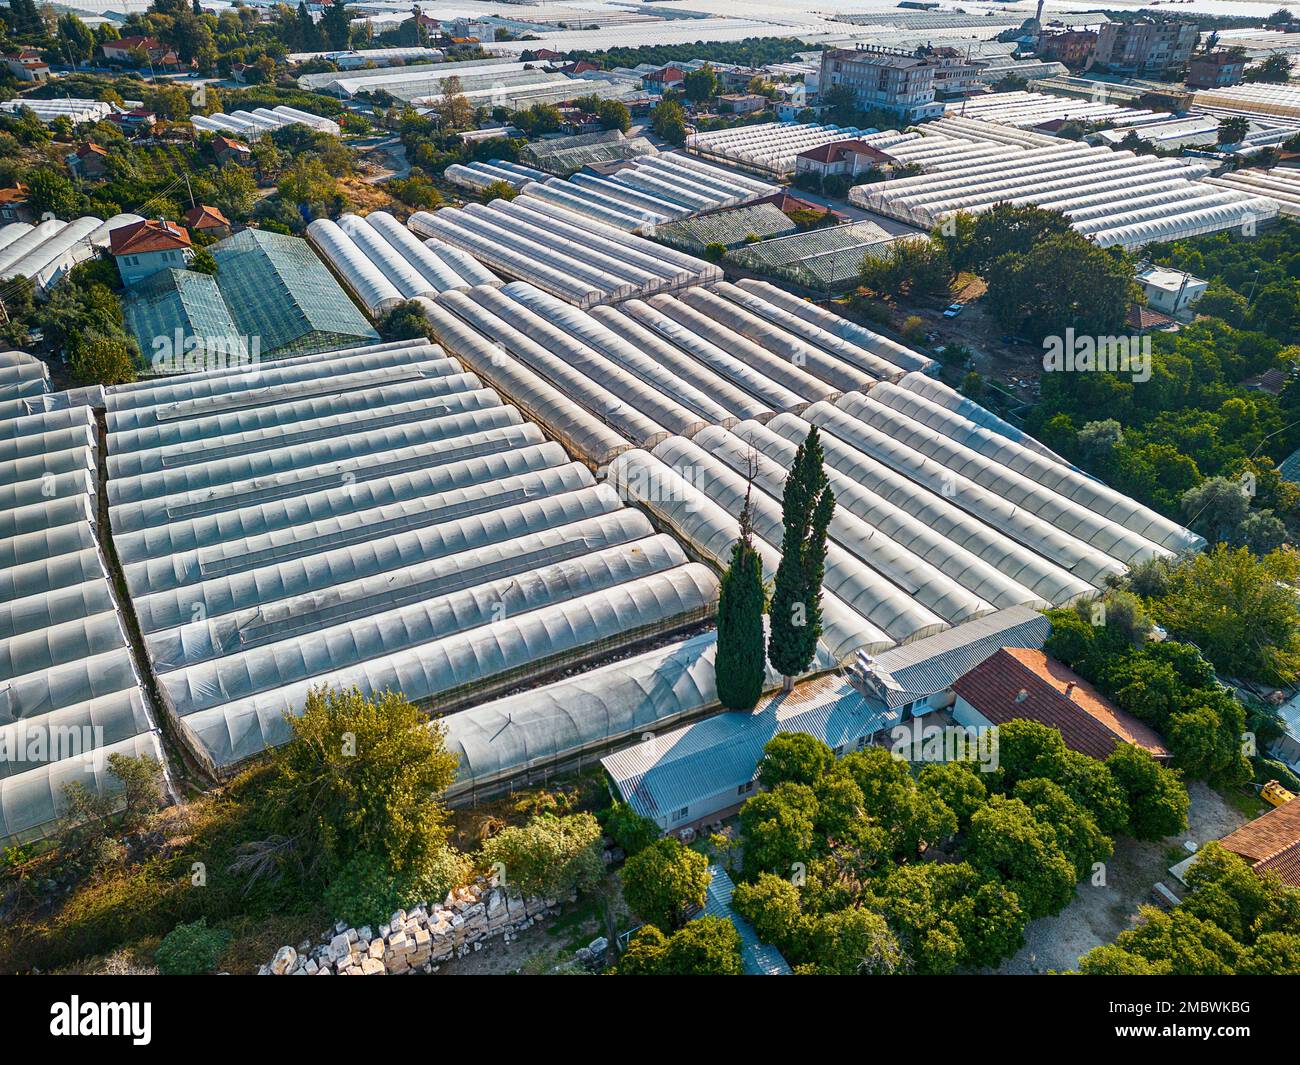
x=1271 y=842
x=14 y=195
x=205 y=217
x=1056 y=696
x=147 y=235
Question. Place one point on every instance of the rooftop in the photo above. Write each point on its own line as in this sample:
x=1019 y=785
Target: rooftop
x=837 y=150
x=1020 y=683
x=758 y=958
x=148 y=235
x=1271 y=842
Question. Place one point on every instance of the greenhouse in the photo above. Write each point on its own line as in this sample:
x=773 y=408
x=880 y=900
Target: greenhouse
x=581 y=260
x=253 y=124
x=768 y=148
x=376 y=517
x=72 y=692
x=1115 y=198
x=827 y=260
x=1280 y=183
x=22 y=376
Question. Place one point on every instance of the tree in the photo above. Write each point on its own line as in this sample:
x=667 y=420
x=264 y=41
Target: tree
x=1008 y=843
x=95 y=359
x=778 y=827
x=452 y=109
x=851 y=942
x=739 y=663
x=665 y=882
x=795 y=757
x=75 y=39
x=359 y=775
x=550 y=856
x=917 y=267
x=613 y=114
x=1004 y=229
x=771 y=904
x=629 y=829
x=1063 y=281
x=708 y=946
x=498 y=190
x=203 y=262
x=700 y=84
x=49 y=191
x=807 y=507
x=1276 y=69
x=1233 y=129
x=406 y=321
x=668 y=120
x=306 y=182
x=336 y=25
x=1239 y=610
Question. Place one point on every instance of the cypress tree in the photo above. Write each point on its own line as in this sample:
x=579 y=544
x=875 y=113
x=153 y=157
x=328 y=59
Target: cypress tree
x=738 y=666
x=807 y=507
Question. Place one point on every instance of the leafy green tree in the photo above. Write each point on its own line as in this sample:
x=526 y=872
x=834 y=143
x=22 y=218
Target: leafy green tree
x=1064 y=281
x=708 y=946
x=366 y=890
x=771 y=904
x=739 y=664
x=613 y=114
x=96 y=359
x=1239 y=610
x=359 y=774
x=665 y=882
x=915 y=267
x=49 y=191
x=794 y=757
x=1009 y=843
x=629 y=829
x=778 y=828
x=191 y=949
x=1233 y=129
x=1276 y=69
x=807 y=506
x=851 y=942
x=550 y=856
x=668 y=120
x=75 y=39
x=700 y=84
x=1076 y=832
x=1156 y=799
x=406 y=321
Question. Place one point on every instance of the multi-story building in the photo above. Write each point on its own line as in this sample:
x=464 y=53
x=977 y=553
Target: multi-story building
x=1146 y=48
x=1216 y=70
x=1072 y=47
x=883 y=79
x=954 y=73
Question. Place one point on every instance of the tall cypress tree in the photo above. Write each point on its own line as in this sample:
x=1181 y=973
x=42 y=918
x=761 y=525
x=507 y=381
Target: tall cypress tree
x=738 y=665
x=807 y=507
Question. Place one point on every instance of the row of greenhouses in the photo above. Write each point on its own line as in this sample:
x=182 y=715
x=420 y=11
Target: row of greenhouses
x=768 y=147
x=375 y=518
x=72 y=694
x=651 y=190
x=383 y=263
x=1116 y=198
x=578 y=258
x=43 y=253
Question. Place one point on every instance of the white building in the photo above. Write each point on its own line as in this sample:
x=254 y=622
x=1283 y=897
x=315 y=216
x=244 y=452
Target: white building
x=1170 y=291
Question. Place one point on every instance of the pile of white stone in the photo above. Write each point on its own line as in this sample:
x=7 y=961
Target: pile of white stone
x=416 y=940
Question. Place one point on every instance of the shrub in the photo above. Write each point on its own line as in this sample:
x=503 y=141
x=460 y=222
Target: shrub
x=191 y=949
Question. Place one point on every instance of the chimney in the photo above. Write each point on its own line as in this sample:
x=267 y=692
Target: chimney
x=1069 y=689
x=1022 y=695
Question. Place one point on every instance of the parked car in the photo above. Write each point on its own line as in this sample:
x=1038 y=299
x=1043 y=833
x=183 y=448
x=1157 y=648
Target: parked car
x=953 y=309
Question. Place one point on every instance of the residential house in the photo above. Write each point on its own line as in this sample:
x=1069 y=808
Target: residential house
x=846 y=158
x=1170 y=291
x=1270 y=844
x=883 y=79
x=1021 y=683
x=1147 y=48
x=657 y=82
x=547 y=54
x=88 y=161
x=208 y=221
x=132 y=49
x=134 y=121
x=27 y=65
x=231 y=152
x=1216 y=70
x=742 y=103
x=143 y=248
x=14 y=206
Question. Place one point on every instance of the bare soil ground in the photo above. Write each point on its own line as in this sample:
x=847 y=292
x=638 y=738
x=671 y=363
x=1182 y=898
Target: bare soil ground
x=1098 y=914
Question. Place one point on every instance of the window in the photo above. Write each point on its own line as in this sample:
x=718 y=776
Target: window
x=745 y=788
x=680 y=815
x=839 y=751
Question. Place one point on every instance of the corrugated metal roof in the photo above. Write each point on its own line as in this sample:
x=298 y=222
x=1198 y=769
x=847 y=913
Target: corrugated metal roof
x=758 y=958
x=925 y=667
x=673 y=770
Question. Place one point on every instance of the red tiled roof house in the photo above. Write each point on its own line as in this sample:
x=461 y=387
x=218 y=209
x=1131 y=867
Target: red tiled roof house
x=1016 y=683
